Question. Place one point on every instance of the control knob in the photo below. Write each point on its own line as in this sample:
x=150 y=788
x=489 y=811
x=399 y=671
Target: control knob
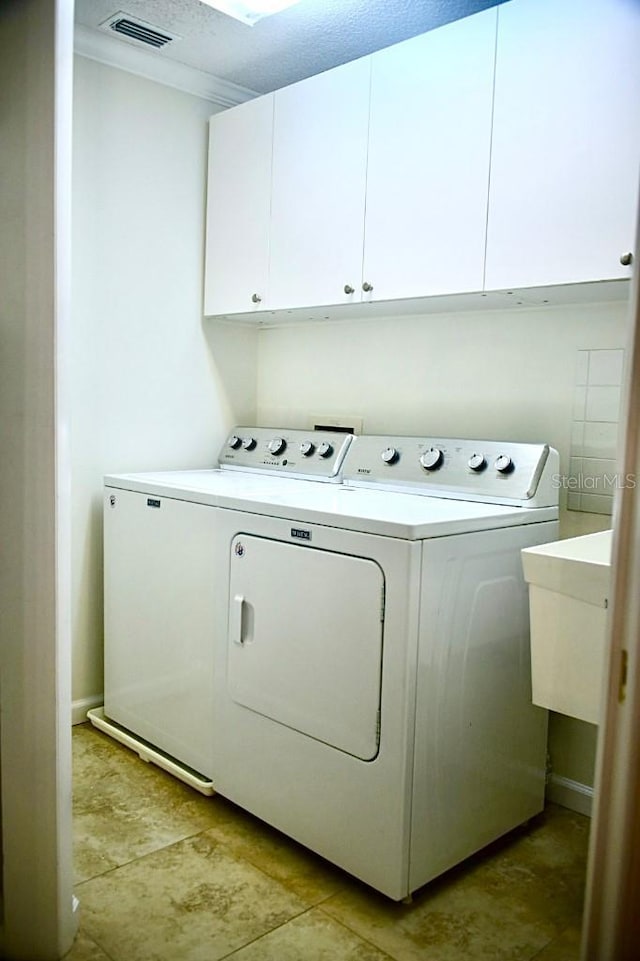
x=307 y=448
x=234 y=442
x=432 y=459
x=276 y=445
x=390 y=455
x=477 y=462
x=249 y=443
x=504 y=464
x=325 y=449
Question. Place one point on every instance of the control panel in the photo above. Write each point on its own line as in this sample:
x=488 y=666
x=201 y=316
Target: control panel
x=318 y=455
x=478 y=470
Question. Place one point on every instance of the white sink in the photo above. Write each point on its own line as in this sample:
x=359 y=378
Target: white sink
x=569 y=587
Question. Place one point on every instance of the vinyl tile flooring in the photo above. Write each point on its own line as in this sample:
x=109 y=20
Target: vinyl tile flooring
x=165 y=874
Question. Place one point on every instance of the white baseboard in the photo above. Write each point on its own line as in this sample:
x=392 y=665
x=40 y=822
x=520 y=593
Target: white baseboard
x=79 y=708
x=570 y=794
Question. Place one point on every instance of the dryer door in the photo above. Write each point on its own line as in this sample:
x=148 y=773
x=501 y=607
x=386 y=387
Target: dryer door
x=305 y=640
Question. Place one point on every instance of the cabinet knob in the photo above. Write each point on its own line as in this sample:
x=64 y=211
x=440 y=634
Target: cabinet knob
x=348 y=289
x=256 y=298
x=626 y=259
x=367 y=287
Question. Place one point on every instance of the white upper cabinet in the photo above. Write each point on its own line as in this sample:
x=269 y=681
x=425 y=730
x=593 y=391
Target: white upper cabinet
x=428 y=169
x=498 y=152
x=238 y=208
x=318 y=188
x=566 y=142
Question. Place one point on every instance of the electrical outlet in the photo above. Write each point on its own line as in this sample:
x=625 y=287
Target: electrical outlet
x=346 y=422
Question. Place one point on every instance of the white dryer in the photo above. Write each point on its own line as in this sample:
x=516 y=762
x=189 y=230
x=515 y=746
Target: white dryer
x=369 y=648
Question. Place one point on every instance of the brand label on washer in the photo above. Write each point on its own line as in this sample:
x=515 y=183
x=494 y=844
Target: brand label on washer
x=301 y=534
x=153 y=502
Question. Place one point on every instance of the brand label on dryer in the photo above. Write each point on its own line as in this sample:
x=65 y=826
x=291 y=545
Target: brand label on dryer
x=301 y=534
x=153 y=502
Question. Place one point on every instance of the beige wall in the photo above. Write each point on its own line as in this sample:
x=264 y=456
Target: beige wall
x=151 y=386
x=506 y=374
x=572 y=748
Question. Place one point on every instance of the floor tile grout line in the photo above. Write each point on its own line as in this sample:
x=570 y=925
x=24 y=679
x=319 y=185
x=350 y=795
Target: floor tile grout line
x=83 y=931
x=285 y=884
x=141 y=857
x=305 y=910
x=309 y=906
x=103 y=949
x=266 y=934
x=368 y=941
x=204 y=830
x=328 y=917
x=553 y=940
x=544 y=947
x=162 y=847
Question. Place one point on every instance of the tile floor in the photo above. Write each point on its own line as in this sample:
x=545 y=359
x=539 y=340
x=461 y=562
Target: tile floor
x=165 y=874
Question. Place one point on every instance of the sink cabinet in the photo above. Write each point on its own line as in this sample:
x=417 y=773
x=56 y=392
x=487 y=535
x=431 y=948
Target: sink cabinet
x=569 y=587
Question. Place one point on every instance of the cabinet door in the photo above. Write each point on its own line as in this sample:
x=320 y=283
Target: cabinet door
x=566 y=142
x=428 y=172
x=239 y=186
x=318 y=188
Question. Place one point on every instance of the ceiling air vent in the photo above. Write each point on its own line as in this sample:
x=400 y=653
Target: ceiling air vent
x=137 y=30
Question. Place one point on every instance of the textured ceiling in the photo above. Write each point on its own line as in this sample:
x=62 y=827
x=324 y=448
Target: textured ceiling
x=311 y=37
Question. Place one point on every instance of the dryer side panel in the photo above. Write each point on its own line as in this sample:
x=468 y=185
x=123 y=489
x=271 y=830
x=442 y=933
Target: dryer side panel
x=480 y=747
x=305 y=640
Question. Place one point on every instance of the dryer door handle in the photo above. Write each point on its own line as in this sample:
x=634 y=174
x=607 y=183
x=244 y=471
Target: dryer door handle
x=236 y=619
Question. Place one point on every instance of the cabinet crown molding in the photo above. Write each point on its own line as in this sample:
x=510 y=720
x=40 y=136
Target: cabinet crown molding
x=124 y=56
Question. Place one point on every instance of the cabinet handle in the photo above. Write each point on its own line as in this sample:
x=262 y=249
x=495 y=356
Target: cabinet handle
x=256 y=298
x=626 y=259
x=348 y=289
x=367 y=287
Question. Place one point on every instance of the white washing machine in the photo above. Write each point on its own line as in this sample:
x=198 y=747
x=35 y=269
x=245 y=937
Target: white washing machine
x=368 y=644
x=162 y=584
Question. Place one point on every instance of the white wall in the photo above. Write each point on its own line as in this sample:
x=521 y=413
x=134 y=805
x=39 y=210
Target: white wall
x=152 y=386
x=505 y=374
